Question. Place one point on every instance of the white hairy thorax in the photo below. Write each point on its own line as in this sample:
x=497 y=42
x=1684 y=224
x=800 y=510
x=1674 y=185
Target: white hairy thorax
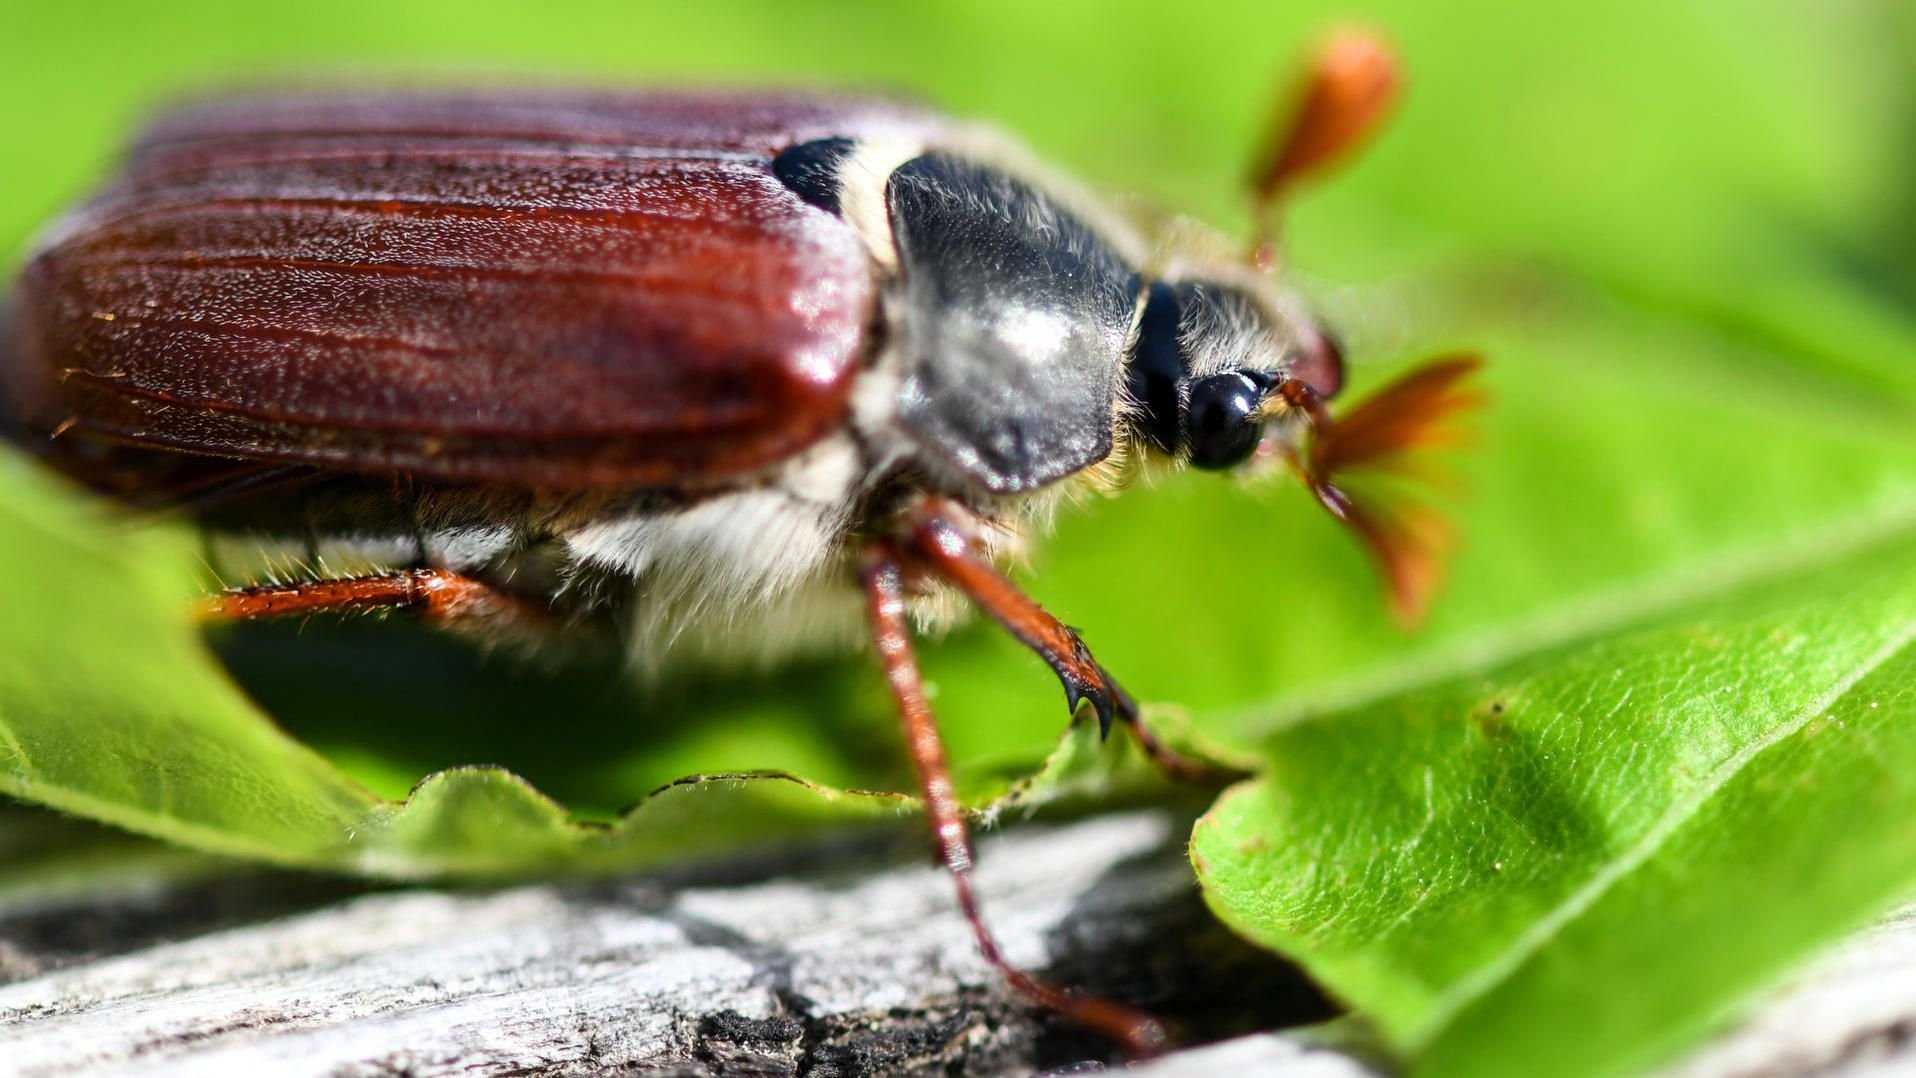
x=756 y=576
x=754 y=573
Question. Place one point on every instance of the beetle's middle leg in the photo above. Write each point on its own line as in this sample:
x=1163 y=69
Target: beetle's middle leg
x=882 y=575
x=935 y=536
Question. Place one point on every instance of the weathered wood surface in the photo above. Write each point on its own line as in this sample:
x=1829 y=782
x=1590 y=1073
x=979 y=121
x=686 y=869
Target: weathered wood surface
x=841 y=960
x=854 y=964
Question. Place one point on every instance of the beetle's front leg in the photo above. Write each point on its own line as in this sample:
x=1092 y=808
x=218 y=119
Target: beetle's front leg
x=936 y=537
x=883 y=577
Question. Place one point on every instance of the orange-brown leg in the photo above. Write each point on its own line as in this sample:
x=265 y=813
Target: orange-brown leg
x=938 y=541
x=440 y=594
x=883 y=576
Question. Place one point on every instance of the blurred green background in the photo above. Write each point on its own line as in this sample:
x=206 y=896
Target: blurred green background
x=1684 y=234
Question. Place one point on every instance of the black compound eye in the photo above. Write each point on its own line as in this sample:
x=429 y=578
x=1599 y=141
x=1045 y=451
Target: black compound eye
x=1221 y=424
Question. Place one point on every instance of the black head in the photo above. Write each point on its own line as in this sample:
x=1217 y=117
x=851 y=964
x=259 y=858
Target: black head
x=1208 y=356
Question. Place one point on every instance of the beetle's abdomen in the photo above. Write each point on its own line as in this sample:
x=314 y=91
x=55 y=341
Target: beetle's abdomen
x=1015 y=324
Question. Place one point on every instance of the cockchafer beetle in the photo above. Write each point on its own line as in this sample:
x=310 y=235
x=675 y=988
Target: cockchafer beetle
x=738 y=371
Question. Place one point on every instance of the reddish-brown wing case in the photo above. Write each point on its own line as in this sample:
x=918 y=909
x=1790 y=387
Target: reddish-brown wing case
x=548 y=289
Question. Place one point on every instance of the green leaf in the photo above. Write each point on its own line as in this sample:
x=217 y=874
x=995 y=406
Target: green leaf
x=1582 y=845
